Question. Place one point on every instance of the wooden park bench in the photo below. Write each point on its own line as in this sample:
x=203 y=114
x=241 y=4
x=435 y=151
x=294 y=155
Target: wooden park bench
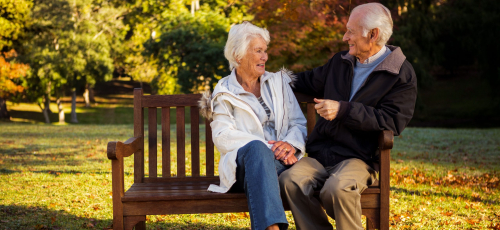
x=181 y=194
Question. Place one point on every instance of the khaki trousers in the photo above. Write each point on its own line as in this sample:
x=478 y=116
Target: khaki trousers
x=340 y=193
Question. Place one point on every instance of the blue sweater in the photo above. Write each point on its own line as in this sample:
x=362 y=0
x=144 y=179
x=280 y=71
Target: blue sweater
x=362 y=71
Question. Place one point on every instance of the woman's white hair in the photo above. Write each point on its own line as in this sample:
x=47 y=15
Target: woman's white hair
x=375 y=15
x=239 y=39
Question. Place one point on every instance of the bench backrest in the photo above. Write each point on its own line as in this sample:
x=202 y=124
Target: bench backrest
x=179 y=102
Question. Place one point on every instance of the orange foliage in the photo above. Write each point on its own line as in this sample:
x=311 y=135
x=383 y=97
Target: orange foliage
x=304 y=34
x=10 y=73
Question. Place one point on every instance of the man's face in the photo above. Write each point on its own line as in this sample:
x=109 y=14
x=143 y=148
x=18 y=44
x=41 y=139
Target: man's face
x=359 y=46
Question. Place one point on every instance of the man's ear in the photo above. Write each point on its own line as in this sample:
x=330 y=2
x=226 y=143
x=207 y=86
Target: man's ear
x=374 y=34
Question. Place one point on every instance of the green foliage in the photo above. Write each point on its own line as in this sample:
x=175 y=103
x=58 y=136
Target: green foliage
x=14 y=15
x=72 y=45
x=176 y=50
x=190 y=48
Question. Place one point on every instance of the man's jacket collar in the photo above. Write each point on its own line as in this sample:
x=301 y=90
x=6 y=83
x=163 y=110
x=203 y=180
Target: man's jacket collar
x=391 y=63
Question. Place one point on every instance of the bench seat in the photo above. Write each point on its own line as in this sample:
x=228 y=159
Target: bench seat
x=185 y=191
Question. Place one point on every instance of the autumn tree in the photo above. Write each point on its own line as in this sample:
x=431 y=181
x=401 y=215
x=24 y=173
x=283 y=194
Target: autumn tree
x=304 y=34
x=14 y=16
x=11 y=80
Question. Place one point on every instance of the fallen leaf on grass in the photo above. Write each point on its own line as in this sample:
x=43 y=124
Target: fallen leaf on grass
x=447 y=213
x=472 y=221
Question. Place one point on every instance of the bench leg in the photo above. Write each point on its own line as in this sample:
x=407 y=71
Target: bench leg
x=370 y=224
x=139 y=222
x=372 y=218
x=141 y=225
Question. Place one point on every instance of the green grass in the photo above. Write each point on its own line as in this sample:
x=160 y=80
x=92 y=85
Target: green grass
x=58 y=177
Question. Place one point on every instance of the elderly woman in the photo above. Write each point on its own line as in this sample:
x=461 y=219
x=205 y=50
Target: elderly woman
x=257 y=126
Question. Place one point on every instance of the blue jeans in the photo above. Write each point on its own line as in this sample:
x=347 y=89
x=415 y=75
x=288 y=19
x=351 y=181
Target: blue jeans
x=257 y=175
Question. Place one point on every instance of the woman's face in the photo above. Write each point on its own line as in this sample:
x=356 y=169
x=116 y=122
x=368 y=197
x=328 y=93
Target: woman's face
x=254 y=61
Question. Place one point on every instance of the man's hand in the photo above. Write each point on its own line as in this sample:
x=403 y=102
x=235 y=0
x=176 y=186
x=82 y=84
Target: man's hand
x=282 y=150
x=327 y=109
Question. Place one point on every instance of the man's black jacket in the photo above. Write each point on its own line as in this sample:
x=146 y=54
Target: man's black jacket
x=385 y=101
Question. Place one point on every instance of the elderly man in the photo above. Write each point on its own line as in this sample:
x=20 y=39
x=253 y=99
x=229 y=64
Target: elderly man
x=366 y=90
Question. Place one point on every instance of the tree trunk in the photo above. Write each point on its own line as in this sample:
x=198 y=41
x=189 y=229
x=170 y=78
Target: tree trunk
x=91 y=95
x=61 y=111
x=86 y=97
x=47 y=98
x=73 y=107
x=45 y=113
x=4 y=113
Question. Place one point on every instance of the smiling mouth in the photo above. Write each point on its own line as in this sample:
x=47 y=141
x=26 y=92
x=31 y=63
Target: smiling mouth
x=260 y=65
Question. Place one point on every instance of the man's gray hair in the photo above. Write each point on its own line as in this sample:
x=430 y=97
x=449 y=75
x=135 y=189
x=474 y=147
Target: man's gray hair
x=239 y=39
x=375 y=15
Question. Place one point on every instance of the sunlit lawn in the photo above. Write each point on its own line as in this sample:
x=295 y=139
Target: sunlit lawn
x=58 y=177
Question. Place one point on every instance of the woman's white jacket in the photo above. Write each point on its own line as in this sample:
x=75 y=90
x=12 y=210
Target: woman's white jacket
x=235 y=123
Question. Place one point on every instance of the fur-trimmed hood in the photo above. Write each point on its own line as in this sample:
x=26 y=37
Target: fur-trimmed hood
x=205 y=103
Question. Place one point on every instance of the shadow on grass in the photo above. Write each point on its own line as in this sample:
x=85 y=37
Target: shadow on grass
x=5 y=171
x=21 y=217
x=96 y=115
x=445 y=194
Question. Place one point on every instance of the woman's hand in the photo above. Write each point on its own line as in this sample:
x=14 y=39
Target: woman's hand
x=282 y=150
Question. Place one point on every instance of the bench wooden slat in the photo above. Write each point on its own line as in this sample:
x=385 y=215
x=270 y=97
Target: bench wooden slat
x=209 y=148
x=180 y=180
x=181 y=137
x=195 y=141
x=185 y=207
x=170 y=100
x=153 y=140
x=138 y=132
x=165 y=141
x=200 y=195
x=311 y=118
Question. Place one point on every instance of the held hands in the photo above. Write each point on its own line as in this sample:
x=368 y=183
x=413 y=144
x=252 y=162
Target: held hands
x=327 y=109
x=284 y=152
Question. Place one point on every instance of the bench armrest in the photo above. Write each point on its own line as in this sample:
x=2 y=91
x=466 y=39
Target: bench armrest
x=386 y=140
x=118 y=149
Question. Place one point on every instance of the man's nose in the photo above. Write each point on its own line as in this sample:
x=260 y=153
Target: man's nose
x=345 y=37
